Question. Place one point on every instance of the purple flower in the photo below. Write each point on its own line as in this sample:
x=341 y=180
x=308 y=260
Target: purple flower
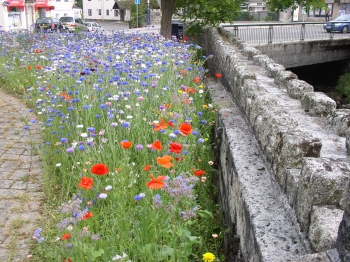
x=139 y=147
x=70 y=150
x=40 y=240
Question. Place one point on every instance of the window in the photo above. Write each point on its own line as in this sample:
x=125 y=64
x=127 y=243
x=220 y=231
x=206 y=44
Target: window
x=116 y=12
x=107 y=12
x=89 y=11
x=14 y=17
x=99 y=11
x=321 y=12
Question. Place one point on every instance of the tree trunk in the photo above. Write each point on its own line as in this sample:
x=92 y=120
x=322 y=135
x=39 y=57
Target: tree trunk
x=167 y=14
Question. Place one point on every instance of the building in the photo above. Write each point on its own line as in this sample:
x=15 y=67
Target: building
x=106 y=10
x=336 y=7
x=20 y=14
x=256 y=6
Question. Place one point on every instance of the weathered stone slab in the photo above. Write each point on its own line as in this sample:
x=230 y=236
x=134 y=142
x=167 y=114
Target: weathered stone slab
x=322 y=182
x=297 y=88
x=318 y=104
x=339 y=121
x=324 y=224
x=319 y=257
x=292 y=147
x=343 y=240
x=250 y=52
x=262 y=60
x=283 y=77
x=272 y=69
x=292 y=184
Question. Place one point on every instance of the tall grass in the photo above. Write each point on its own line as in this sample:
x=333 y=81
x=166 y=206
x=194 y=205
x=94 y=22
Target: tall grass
x=126 y=125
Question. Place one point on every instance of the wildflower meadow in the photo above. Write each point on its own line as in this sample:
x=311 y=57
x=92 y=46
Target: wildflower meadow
x=126 y=126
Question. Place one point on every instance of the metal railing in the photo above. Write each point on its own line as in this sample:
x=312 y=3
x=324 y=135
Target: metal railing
x=268 y=33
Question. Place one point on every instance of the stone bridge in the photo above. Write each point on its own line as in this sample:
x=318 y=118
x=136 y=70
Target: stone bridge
x=304 y=53
x=282 y=155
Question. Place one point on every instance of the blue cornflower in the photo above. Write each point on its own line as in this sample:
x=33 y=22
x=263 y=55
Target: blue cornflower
x=126 y=124
x=137 y=197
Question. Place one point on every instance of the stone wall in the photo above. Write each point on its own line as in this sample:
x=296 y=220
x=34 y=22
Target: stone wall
x=283 y=163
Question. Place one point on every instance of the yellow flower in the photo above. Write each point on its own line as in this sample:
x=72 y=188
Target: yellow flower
x=200 y=86
x=205 y=106
x=208 y=257
x=180 y=91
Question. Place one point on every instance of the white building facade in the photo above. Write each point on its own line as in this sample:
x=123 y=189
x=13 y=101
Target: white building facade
x=17 y=14
x=105 y=10
x=256 y=6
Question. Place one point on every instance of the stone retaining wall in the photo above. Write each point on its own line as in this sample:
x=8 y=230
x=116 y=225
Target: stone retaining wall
x=312 y=184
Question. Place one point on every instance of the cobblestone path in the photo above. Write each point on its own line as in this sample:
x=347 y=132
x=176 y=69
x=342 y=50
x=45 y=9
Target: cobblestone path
x=20 y=179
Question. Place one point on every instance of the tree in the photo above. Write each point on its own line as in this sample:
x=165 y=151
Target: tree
x=198 y=13
x=281 y=5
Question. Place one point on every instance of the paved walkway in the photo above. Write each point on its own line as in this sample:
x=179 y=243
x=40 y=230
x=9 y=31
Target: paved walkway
x=21 y=175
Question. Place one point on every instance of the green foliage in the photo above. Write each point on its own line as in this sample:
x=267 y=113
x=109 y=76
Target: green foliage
x=343 y=86
x=270 y=17
x=281 y=5
x=201 y=13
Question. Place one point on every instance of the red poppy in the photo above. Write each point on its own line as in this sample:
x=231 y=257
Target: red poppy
x=175 y=148
x=157 y=145
x=69 y=260
x=165 y=161
x=185 y=128
x=198 y=172
x=196 y=79
x=87 y=215
x=170 y=123
x=29 y=67
x=160 y=126
x=179 y=159
x=38 y=67
x=86 y=182
x=190 y=90
x=218 y=75
x=65 y=236
x=38 y=51
x=147 y=168
x=126 y=144
x=156 y=183
x=183 y=71
x=99 y=169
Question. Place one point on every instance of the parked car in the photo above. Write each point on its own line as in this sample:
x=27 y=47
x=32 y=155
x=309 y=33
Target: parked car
x=49 y=24
x=98 y=27
x=340 y=24
x=93 y=27
x=74 y=24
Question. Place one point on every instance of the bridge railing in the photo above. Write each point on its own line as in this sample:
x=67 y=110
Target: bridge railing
x=268 y=33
